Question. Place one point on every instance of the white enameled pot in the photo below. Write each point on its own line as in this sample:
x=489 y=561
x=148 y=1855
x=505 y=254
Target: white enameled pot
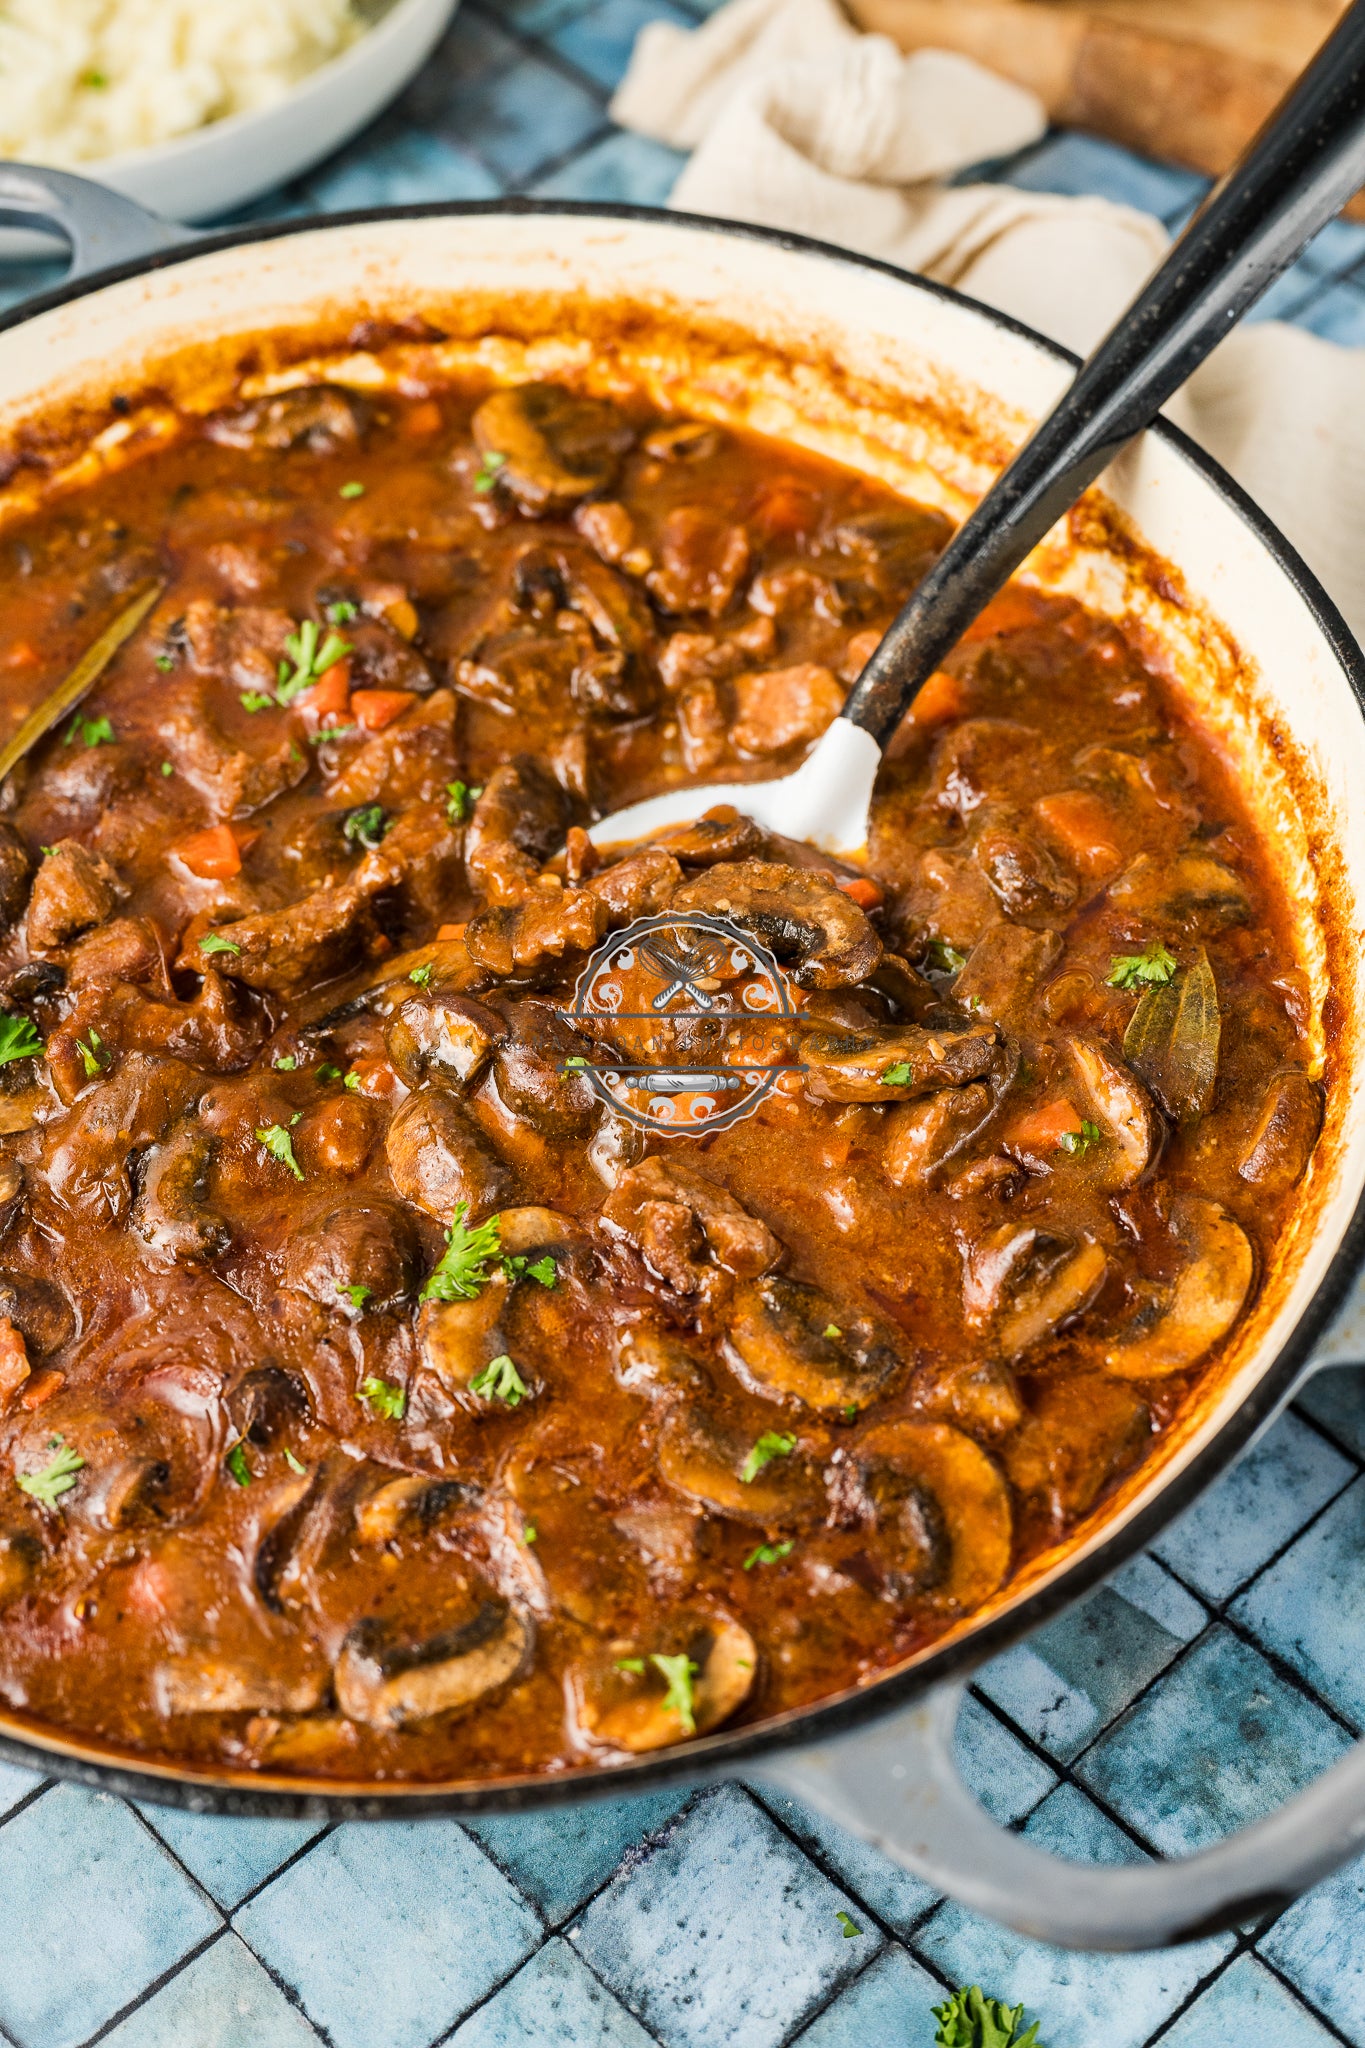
x=929 y=392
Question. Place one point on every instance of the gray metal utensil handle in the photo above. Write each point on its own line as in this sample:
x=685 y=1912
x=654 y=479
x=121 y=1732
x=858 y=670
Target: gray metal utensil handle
x=101 y=228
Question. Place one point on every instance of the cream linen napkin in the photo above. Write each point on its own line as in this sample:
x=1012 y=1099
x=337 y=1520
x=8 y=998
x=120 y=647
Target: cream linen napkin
x=796 y=120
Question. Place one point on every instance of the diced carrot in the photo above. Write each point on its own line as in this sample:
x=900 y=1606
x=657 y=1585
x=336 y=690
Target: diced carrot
x=213 y=855
x=374 y=1075
x=450 y=931
x=14 y=1366
x=862 y=890
x=421 y=420
x=941 y=697
x=42 y=1387
x=1042 y=1129
x=1084 y=825
x=22 y=654
x=1013 y=608
x=374 y=709
x=330 y=695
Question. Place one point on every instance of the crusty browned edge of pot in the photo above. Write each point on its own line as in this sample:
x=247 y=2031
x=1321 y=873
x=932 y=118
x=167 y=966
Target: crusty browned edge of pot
x=719 y=370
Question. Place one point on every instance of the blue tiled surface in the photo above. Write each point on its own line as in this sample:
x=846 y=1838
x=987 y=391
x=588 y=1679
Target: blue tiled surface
x=1195 y=1689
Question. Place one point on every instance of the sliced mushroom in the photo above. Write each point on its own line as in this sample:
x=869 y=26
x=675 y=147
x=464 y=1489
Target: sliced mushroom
x=555 y=446
x=794 y=1343
x=939 y=1509
x=1281 y=1145
x=40 y=1311
x=1178 y=1325
x=366 y=1245
x=416 y=1501
x=265 y=1403
x=389 y=1677
x=220 y=1684
x=1123 y=1110
x=302 y=1743
x=532 y=1077
x=459 y=1338
x=522 y=1233
x=1025 y=1284
x=896 y=1064
x=1194 y=887
x=721 y=834
x=706 y=1459
x=439 y=1159
x=639 y=1695
x=1173 y=1039
x=451 y=1036
x=171 y=1211
x=653 y=1363
x=321 y=417
x=923 y=1136
x=804 y=919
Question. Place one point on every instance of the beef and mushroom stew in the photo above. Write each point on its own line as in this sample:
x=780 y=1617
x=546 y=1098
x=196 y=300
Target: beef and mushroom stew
x=384 y=1397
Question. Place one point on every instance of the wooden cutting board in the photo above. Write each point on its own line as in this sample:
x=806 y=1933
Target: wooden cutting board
x=1187 y=80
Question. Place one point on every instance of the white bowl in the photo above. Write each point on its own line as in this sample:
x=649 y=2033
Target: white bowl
x=229 y=162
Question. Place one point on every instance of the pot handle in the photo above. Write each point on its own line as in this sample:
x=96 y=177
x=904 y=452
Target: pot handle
x=896 y=1785
x=100 y=227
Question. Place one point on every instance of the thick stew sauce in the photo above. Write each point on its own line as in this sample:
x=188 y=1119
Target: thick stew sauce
x=380 y=1397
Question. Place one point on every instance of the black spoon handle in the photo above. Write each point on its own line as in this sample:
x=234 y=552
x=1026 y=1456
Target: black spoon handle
x=1296 y=173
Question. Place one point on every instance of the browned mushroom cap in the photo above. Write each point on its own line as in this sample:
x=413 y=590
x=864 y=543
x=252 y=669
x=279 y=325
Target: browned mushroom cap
x=212 y=1682
x=265 y=1402
x=452 y=1036
x=389 y=1676
x=439 y=1159
x=894 y=1065
x=555 y=445
x=172 y=1211
x=707 y=1459
x=901 y=1462
x=793 y=1342
x=370 y=1245
x=653 y=1363
x=1193 y=887
x=321 y=416
x=1121 y=1107
x=1181 y=1323
x=40 y=1311
x=798 y=913
x=688 y=1676
x=1286 y=1131
x=1025 y=1283
x=415 y=1501
x=459 y=1338
x=719 y=834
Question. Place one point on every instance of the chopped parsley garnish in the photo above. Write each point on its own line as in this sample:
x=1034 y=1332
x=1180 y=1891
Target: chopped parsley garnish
x=634 y=1665
x=486 y=475
x=896 y=1075
x=941 y=958
x=850 y=1926
x=93 y=1056
x=530 y=1534
x=294 y=1464
x=422 y=975
x=678 y=1673
x=462 y=1269
x=351 y=490
x=774 y=1443
x=328 y=1072
x=460 y=797
x=237 y=1464
x=351 y=1081
x=388 y=1402
x=280 y=1146
x=1153 y=967
x=94 y=81
x=355 y=1292
x=328 y=732
x=574 y=1062
x=342 y=612
x=831 y=1330
x=1078 y=1142
x=767 y=1553
x=366 y=827
x=311 y=658
x=545 y=1270
x=257 y=700
x=851 y=1411
x=969 y=2020
x=168 y=768
x=499 y=1381
x=214 y=942
x=19 y=1039
x=56 y=1478
x=165 y=662
x=286 y=1063
x=96 y=732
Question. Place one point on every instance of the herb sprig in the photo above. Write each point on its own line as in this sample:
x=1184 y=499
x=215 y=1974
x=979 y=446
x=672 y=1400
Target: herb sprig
x=311 y=656
x=278 y=1143
x=55 y=1478
x=19 y=1039
x=970 y=2020
x=1153 y=967
x=774 y=1443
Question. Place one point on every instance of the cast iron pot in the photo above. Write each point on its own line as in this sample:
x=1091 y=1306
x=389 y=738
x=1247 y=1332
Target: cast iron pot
x=929 y=391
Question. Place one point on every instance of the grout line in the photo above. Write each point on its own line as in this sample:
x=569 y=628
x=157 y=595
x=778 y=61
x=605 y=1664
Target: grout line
x=180 y=1865
x=1292 y=1988
x=149 y=1991
x=1320 y=1429
x=296 y=1856
x=285 y=1989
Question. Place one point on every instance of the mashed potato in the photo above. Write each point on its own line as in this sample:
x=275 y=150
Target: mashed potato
x=83 y=79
